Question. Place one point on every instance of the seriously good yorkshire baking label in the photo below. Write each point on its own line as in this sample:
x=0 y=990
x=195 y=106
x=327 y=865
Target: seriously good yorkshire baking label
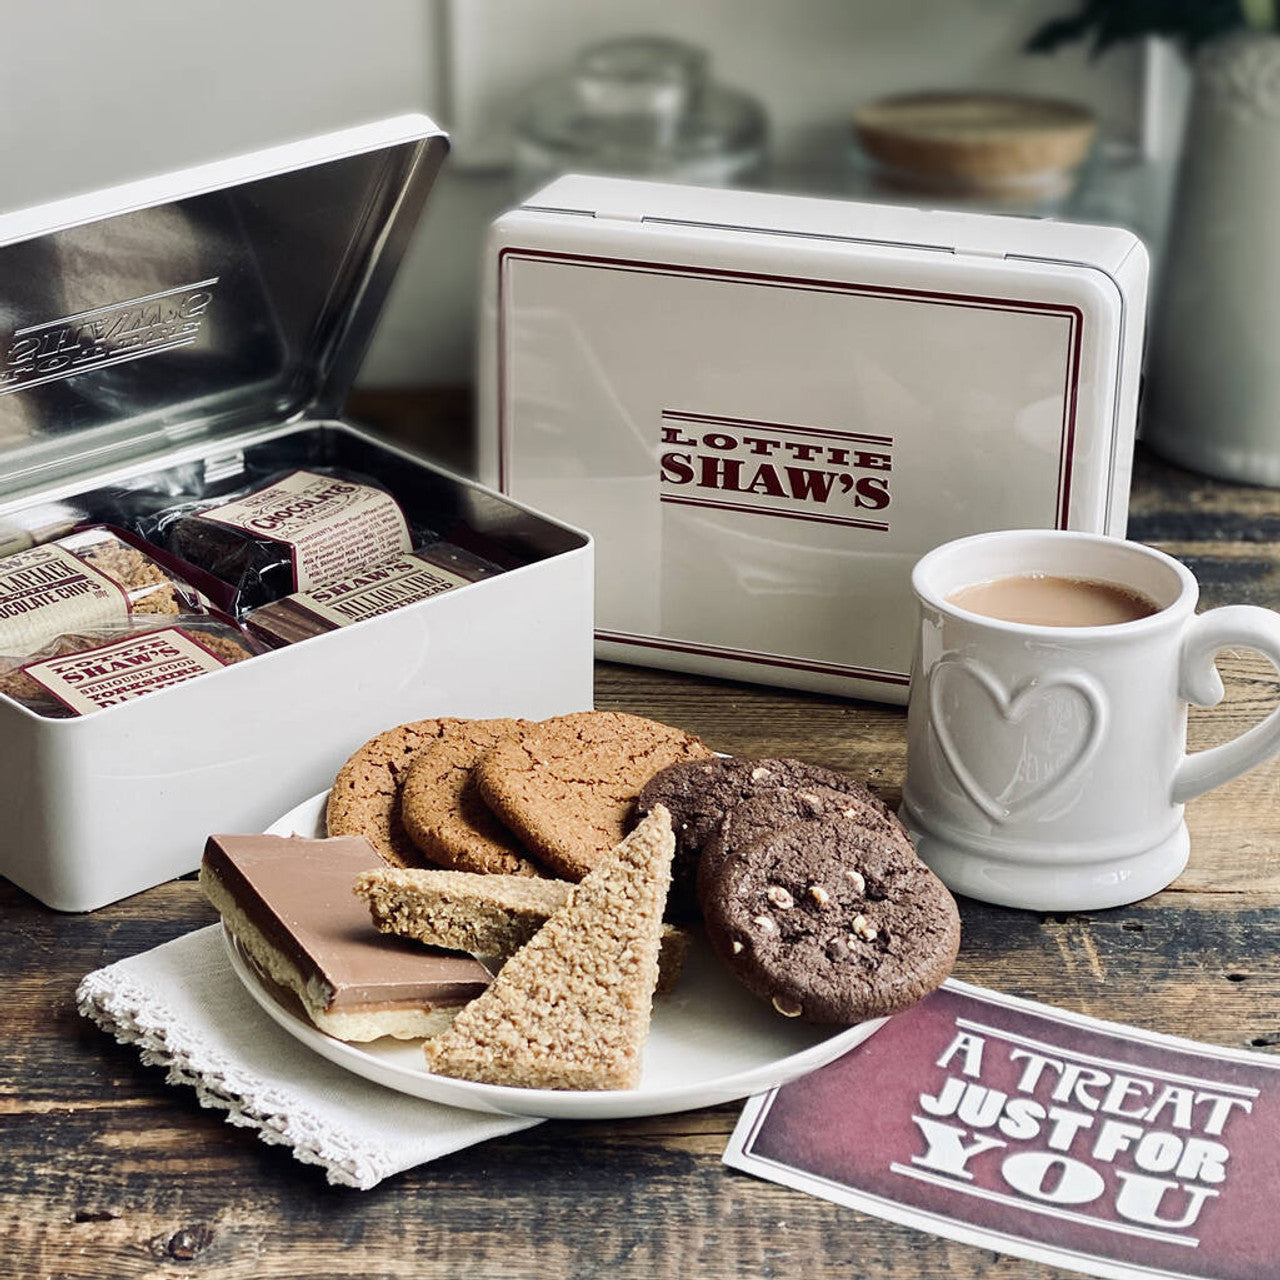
x=47 y=592
x=379 y=590
x=1048 y=1135
x=127 y=669
x=332 y=527
x=774 y=469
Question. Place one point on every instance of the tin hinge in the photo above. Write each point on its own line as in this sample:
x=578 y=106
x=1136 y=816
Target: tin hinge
x=615 y=215
x=224 y=466
x=973 y=251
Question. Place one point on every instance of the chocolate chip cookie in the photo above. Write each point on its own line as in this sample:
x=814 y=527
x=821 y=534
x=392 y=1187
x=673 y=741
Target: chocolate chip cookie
x=831 y=922
x=567 y=786
x=443 y=813
x=365 y=798
x=699 y=793
x=775 y=810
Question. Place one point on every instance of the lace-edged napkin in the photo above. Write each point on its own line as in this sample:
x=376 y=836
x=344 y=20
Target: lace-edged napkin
x=182 y=1005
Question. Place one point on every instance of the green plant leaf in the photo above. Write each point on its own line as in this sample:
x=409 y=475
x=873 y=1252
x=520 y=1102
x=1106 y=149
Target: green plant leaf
x=1260 y=14
x=1111 y=22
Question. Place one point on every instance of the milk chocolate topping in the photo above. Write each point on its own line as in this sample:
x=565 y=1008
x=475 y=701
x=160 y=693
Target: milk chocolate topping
x=299 y=894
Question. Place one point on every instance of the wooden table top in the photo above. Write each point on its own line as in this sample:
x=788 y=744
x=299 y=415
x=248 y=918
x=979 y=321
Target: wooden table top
x=108 y=1172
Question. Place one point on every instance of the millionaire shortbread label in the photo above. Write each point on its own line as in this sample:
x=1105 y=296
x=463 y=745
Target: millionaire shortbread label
x=109 y=674
x=378 y=590
x=331 y=526
x=431 y=570
x=47 y=591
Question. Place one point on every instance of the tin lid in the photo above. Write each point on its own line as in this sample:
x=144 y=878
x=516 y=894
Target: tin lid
x=203 y=302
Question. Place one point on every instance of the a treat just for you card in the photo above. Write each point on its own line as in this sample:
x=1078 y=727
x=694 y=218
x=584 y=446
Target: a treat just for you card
x=1048 y=1135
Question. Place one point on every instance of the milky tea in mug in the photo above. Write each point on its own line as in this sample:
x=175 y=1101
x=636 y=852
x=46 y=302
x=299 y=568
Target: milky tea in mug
x=1046 y=758
x=1046 y=600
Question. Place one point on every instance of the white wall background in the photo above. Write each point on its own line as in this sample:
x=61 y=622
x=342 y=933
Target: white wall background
x=93 y=93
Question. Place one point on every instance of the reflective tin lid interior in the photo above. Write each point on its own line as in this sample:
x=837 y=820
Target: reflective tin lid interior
x=203 y=302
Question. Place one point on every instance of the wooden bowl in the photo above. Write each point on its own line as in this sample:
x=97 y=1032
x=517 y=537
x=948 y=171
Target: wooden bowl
x=976 y=141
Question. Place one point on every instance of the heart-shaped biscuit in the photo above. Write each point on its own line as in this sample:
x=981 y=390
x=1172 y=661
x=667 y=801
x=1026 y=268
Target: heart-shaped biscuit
x=566 y=786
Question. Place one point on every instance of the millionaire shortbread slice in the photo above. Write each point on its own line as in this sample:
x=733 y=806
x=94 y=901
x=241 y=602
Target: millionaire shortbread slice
x=289 y=904
x=571 y=1009
x=491 y=915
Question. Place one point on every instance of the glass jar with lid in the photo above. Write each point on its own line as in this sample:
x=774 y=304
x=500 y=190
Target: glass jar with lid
x=644 y=107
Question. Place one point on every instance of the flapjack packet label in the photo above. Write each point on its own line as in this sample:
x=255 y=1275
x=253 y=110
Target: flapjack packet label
x=1049 y=1135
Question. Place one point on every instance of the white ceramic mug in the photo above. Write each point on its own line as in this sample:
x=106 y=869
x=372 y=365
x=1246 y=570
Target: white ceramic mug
x=1047 y=766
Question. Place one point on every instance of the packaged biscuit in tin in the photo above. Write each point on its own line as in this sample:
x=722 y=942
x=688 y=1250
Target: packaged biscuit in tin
x=391 y=584
x=86 y=580
x=288 y=532
x=34 y=525
x=101 y=667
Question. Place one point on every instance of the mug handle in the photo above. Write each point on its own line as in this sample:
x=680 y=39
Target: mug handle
x=1236 y=624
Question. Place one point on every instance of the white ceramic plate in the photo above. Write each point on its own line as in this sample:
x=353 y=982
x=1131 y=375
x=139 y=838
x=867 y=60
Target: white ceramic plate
x=711 y=1041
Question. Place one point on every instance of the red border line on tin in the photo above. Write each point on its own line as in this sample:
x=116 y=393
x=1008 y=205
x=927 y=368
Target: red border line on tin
x=715 y=418
x=758 y=657
x=878 y=526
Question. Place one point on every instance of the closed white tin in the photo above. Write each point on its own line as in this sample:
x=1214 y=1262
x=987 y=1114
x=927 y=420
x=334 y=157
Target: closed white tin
x=175 y=331
x=766 y=408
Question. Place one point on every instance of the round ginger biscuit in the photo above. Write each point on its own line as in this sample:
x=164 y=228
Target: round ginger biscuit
x=365 y=797
x=567 y=786
x=442 y=810
x=831 y=922
x=699 y=793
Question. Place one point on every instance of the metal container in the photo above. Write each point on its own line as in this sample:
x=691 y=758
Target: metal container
x=766 y=408
x=180 y=329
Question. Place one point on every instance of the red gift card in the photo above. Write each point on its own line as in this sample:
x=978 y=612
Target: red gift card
x=1049 y=1135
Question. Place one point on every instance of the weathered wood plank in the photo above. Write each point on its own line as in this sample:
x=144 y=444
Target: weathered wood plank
x=1174 y=499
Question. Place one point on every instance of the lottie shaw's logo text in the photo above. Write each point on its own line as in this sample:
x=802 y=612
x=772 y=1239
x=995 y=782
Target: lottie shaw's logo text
x=107 y=335
x=775 y=469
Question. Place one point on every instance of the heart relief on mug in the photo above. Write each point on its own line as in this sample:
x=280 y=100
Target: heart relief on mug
x=1046 y=763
